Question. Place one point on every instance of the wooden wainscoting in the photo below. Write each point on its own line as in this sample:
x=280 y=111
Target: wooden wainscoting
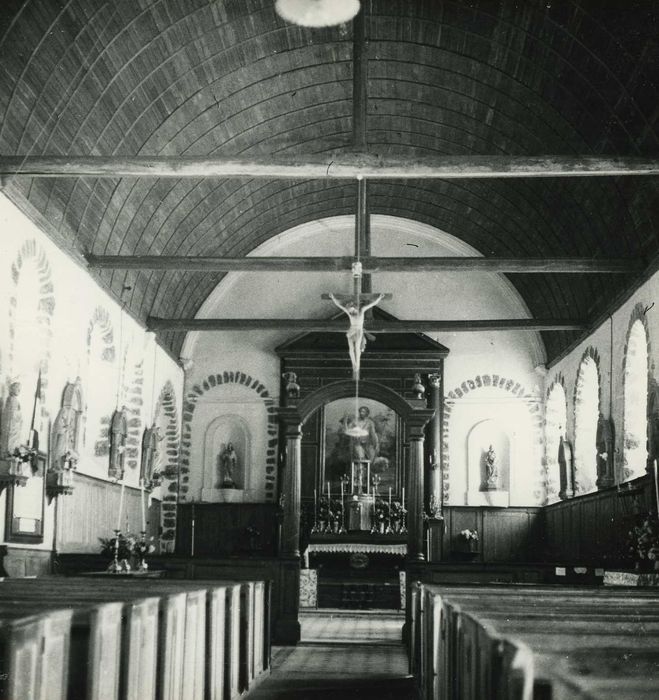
x=91 y=512
x=592 y=529
x=505 y=534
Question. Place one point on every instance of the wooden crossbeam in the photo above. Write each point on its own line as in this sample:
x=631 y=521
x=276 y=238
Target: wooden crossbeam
x=338 y=166
x=372 y=326
x=369 y=264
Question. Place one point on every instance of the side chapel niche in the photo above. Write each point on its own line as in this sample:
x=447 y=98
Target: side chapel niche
x=488 y=455
x=227 y=451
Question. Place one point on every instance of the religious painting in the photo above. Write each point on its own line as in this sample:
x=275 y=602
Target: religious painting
x=379 y=443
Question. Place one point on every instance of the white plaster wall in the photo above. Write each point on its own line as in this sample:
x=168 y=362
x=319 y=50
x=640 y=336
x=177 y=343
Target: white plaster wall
x=429 y=296
x=76 y=296
x=609 y=340
x=219 y=407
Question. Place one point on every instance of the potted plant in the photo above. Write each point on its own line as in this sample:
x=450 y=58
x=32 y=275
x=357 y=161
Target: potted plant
x=466 y=543
x=381 y=514
x=643 y=543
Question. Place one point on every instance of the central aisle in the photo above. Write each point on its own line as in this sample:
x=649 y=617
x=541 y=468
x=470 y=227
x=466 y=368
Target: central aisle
x=342 y=655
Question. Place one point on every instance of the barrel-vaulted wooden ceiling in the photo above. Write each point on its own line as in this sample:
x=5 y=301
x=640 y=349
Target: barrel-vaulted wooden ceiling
x=230 y=78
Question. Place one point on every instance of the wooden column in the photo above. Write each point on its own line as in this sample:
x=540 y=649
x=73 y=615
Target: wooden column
x=415 y=506
x=435 y=496
x=291 y=482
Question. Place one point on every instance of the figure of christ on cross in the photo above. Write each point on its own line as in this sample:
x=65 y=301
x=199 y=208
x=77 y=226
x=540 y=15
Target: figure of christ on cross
x=355 y=334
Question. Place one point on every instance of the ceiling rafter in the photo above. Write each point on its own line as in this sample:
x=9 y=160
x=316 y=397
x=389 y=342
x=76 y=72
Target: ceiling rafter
x=369 y=264
x=183 y=325
x=342 y=166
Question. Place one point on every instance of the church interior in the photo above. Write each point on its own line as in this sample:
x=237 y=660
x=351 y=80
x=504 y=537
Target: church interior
x=328 y=342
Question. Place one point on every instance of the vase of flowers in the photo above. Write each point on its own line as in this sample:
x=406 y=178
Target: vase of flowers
x=127 y=551
x=643 y=543
x=381 y=515
x=465 y=545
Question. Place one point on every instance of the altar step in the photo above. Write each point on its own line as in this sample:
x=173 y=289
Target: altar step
x=352 y=627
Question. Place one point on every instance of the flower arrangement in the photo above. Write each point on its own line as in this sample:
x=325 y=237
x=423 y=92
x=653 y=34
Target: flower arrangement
x=129 y=547
x=381 y=510
x=23 y=453
x=469 y=535
x=643 y=540
x=336 y=510
x=325 y=511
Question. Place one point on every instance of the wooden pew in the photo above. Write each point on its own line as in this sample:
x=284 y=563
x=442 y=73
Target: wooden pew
x=116 y=650
x=34 y=651
x=485 y=641
x=193 y=643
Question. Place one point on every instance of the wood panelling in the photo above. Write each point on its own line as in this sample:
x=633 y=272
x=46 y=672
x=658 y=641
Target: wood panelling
x=91 y=512
x=592 y=529
x=505 y=534
x=227 y=529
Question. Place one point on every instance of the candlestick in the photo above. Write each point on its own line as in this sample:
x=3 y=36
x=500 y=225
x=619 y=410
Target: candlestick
x=121 y=503
x=143 y=505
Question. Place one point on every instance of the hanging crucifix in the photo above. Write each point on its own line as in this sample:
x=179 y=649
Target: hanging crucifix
x=356 y=305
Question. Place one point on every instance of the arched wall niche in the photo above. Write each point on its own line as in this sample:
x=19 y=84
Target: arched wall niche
x=224 y=430
x=586 y=416
x=481 y=490
x=555 y=428
x=636 y=376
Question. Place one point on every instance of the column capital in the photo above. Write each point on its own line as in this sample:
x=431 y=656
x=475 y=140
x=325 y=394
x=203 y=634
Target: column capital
x=416 y=422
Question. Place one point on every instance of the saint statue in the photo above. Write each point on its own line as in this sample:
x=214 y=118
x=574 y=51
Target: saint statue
x=228 y=461
x=11 y=425
x=491 y=470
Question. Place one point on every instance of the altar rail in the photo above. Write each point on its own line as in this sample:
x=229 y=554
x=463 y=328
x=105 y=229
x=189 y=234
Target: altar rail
x=543 y=642
x=118 y=637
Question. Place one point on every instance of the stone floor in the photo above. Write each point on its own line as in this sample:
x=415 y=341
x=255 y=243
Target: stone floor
x=342 y=654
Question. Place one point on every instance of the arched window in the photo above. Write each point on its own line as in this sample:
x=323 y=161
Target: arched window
x=555 y=426
x=635 y=402
x=586 y=415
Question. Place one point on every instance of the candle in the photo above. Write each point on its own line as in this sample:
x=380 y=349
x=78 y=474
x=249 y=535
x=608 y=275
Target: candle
x=656 y=484
x=390 y=497
x=328 y=489
x=403 y=497
x=143 y=505
x=341 y=490
x=121 y=502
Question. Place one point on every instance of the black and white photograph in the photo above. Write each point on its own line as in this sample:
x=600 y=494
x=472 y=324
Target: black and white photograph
x=329 y=344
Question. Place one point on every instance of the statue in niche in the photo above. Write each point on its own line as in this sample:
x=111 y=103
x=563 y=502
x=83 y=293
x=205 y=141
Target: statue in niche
x=228 y=463
x=491 y=470
x=11 y=425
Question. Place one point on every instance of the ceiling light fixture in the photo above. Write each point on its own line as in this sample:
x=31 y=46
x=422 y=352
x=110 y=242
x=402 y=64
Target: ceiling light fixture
x=317 y=13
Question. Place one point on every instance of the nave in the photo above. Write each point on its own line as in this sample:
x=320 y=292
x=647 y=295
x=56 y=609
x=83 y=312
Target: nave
x=342 y=654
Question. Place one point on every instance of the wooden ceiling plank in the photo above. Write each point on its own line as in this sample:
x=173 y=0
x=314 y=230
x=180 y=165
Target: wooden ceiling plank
x=339 y=166
x=373 y=326
x=369 y=264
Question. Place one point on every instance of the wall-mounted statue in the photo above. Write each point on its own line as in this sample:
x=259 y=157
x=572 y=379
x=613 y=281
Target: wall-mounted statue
x=118 y=432
x=11 y=424
x=491 y=482
x=604 y=443
x=228 y=463
x=150 y=454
